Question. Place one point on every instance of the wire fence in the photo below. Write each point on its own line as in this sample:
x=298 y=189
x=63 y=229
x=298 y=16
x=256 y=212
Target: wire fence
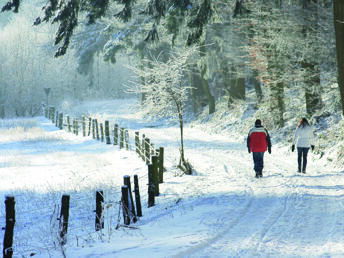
x=41 y=216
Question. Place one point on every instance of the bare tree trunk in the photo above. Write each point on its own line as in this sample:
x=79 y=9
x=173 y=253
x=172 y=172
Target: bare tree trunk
x=338 y=13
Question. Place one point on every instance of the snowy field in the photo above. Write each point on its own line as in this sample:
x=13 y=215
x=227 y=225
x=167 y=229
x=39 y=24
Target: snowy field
x=220 y=211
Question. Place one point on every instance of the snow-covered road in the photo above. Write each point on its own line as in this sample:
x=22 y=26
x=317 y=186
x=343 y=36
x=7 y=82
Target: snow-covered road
x=221 y=210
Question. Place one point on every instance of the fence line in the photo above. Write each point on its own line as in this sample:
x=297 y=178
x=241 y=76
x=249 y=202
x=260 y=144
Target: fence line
x=145 y=149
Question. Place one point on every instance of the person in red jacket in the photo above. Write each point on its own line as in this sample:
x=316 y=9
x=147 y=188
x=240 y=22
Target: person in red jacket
x=258 y=142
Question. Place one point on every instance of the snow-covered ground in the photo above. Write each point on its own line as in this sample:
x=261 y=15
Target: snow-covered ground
x=219 y=211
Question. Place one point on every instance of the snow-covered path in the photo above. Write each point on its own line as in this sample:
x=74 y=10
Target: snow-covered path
x=220 y=211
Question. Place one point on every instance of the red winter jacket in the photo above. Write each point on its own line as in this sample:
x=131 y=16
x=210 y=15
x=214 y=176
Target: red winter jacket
x=258 y=139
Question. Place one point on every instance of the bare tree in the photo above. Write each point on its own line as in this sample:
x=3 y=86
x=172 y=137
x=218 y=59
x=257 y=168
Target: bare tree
x=166 y=91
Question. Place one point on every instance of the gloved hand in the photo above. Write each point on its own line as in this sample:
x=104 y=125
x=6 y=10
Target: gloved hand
x=312 y=146
x=292 y=148
x=269 y=150
x=249 y=150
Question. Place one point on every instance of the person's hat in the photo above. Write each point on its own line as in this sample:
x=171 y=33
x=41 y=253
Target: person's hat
x=258 y=122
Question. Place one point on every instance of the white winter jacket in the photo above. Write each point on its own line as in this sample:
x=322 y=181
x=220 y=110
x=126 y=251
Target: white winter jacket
x=304 y=137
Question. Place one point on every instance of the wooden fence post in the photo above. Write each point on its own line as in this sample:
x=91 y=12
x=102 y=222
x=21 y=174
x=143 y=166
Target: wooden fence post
x=83 y=126
x=99 y=210
x=147 y=151
x=126 y=137
x=68 y=124
x=155 y=174
x=64 y=216
x=151 y=191
x=76 y=126
x=61 y=121
x=143 y=156
x=56 y=118
x=52 y=114
x=137 y=143
x=107 y=132
x=101 y=132
x=130 y=196
x=137 y=196
x=115 y=134
x=89 y=125
x=97 y=130
x=10 y=221
x=93 y=128
x=161 y=165
x=121 y=142
x=125 y=205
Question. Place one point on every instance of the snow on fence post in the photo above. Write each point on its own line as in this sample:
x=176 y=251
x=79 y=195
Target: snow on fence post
x=68 y=124
x=101 y=132
x=143 y=156
x=64 y=216
x=99 y=210
x=89 y=125
x=155 y=174
x=125 y=205
x=161 y=164
x=121 y=142
x=147 y=151
x=151 y=191
x=83 y=126
x=137 y=143
x=131 y=206
x=115 y=134
x=61 y=121
x=10 y=221
x=107 y=132
x=137 y=196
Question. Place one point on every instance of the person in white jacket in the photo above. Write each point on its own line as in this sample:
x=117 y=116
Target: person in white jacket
x=304 y=139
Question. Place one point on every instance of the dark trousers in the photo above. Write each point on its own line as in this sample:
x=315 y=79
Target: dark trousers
x=258 y=160
x=302 y=158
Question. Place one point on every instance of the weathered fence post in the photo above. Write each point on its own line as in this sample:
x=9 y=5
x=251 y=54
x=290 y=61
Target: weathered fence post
x=64 y=216
x=137 y=196
x=121 y=142
x=61 y=121
x=97 y=130
x=83 y=126
x=68 y=124
x=143 y=156
x=151 y=191
x=107 y=132
x=101 y=132
x=115 y=134
x=161 y=164
x=125 y=205
x=137 y=143
x=89 y=125
x=76 y=126
x=56 y=118
x=155 y=174
x=99 y=210
x=130 y=196
x=147 y=151
x=93 y=128
x=52 y=114
x=73 y=125
x=126 y=137
x=10 y=221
